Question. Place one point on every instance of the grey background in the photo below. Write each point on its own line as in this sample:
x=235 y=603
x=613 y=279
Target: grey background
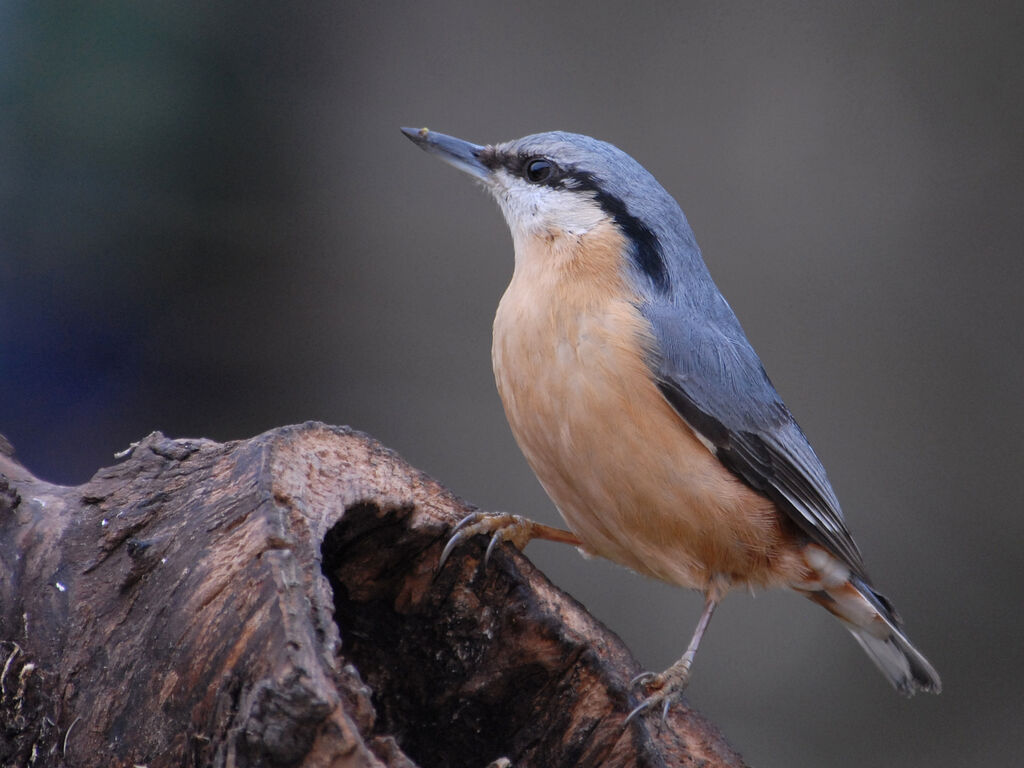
x=210 y=225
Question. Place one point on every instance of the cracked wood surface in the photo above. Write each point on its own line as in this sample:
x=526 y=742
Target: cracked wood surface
x=274 y=602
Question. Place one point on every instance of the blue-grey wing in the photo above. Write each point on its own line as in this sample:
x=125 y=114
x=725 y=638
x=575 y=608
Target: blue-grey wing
x=712 y=377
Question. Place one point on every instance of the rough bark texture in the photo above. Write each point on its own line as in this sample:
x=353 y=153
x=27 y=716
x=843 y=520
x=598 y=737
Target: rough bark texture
x=273 y=602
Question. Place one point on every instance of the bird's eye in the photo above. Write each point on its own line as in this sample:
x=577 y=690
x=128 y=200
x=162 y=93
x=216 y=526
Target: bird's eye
x=538 y=170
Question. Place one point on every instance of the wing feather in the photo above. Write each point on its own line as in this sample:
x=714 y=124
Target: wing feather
x=712 y=377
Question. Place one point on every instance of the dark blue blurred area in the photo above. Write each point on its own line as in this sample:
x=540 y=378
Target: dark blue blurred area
x=62 y=370
x=210 y=225
x=146 y=209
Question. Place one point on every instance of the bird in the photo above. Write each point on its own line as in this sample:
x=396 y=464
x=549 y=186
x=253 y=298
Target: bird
x=644 y=411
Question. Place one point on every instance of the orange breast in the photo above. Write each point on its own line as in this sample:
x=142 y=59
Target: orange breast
x=625 y=471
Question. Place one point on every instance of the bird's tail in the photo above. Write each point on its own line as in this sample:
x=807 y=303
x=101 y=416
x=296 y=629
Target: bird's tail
x=874 y=624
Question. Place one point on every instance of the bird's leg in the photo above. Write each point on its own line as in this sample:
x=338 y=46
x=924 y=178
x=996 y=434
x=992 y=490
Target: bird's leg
x=670 y=684
x=503 y=527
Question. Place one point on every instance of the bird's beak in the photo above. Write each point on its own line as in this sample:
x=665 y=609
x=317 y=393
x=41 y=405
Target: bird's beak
x=462 y=154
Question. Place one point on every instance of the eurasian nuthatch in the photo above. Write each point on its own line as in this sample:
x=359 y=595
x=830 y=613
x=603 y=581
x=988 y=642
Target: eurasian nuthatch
x=642 y=408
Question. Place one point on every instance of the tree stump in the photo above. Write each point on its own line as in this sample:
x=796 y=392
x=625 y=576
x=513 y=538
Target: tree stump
x=274 y=602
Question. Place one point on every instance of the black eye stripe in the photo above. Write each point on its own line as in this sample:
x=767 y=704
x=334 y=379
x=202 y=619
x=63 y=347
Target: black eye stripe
x=646 y=250
x=520 y=164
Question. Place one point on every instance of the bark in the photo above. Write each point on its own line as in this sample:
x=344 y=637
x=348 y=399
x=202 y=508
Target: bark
x=274 y=602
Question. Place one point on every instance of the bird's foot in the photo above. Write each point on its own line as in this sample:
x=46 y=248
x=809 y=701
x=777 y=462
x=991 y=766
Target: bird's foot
x=502 y=526
x=662 y=689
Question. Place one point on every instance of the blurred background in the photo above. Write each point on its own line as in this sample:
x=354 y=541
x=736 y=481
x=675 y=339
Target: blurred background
x=210 y=225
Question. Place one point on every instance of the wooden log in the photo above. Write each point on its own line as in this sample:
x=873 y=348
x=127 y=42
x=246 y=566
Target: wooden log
x=274 y=602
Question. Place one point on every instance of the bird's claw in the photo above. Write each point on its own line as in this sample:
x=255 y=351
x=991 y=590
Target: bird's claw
x=452 y=543
x=502 y=527
x=649 y=702
x=642 y=679
x=490 y=547
x=459 y=534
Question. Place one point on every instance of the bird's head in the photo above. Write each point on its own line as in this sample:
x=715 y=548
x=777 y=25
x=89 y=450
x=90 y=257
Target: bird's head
x=560 y=187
